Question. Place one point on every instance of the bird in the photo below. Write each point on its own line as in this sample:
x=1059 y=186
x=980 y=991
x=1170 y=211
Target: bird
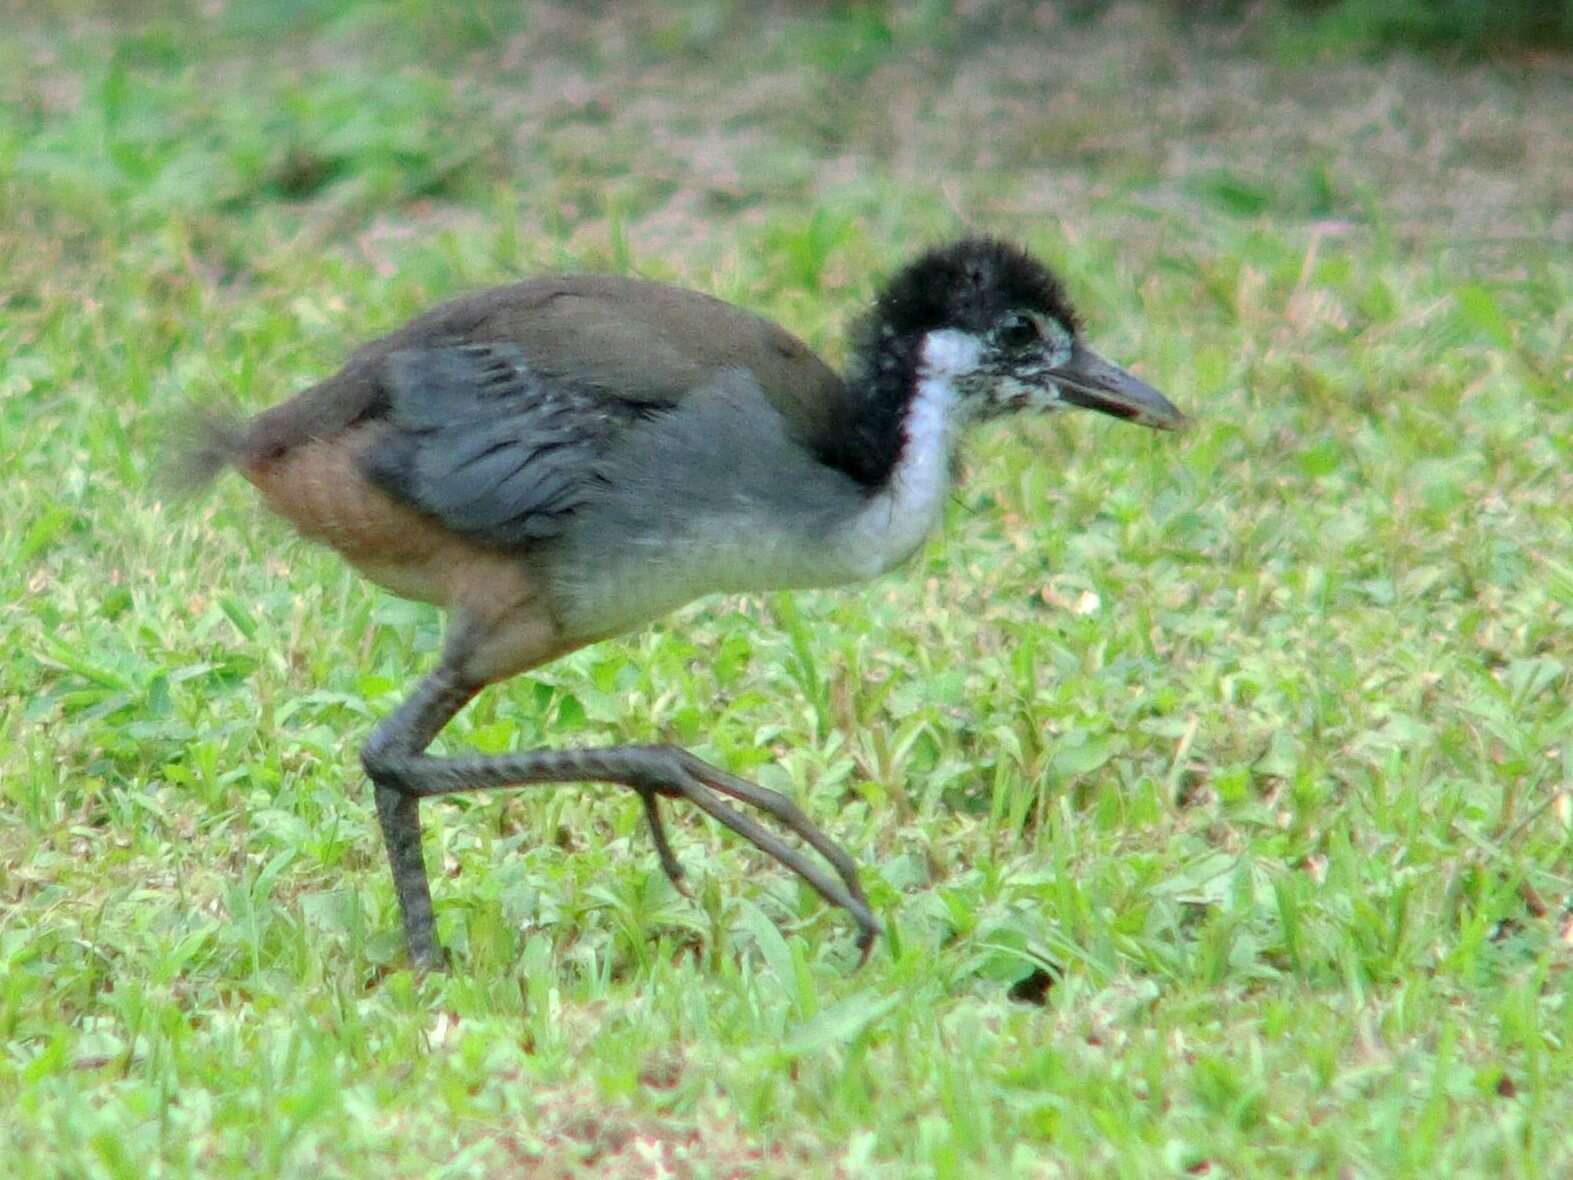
x=559 y=460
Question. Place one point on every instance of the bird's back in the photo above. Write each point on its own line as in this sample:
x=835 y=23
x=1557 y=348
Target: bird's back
x=630 y=339
x=368 y=461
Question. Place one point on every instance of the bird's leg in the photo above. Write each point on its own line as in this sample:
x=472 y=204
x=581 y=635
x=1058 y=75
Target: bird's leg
x=408 y=731
x=404 y=775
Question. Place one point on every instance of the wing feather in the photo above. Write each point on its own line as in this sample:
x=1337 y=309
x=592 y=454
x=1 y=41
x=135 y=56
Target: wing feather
x=487 y=445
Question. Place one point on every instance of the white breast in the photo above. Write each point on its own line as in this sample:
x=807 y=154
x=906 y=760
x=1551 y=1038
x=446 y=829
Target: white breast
x=898 y=518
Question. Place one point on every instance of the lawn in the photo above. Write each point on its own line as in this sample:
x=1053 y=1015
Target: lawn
x=1216 y=792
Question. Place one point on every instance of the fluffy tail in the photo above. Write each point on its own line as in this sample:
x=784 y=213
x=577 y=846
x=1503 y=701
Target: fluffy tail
x=204 y=442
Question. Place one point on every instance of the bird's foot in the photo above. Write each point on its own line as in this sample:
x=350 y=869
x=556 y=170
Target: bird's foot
x=680 y=774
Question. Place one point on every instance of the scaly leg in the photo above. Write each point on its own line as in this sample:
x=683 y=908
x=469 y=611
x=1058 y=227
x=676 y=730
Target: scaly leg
x=404 y=775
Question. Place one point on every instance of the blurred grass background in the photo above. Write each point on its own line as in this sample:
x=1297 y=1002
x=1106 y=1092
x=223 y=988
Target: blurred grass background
x=1215 y=793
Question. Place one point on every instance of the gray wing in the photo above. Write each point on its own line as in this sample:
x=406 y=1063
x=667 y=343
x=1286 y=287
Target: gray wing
x=490 y=448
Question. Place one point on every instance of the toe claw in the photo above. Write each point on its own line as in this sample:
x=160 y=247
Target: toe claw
x=676 y=876
x=869 y=929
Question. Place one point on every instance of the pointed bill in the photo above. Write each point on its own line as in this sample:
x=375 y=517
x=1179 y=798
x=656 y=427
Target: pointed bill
x=1092 y=383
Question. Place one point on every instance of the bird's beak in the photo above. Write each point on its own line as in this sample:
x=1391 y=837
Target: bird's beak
x=1092 y=383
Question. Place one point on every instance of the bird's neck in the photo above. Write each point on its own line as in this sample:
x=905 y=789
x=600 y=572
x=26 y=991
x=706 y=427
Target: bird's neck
x=906 y=415
x=901 y=410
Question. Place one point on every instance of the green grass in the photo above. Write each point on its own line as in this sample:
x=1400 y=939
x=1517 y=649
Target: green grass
x=1455 y=27
x=1215 y=791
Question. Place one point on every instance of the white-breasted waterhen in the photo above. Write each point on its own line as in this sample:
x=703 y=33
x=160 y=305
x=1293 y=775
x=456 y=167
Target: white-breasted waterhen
x=559 y=460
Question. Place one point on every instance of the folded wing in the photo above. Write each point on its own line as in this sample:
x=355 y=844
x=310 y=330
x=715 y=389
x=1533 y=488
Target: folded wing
x=488 y=446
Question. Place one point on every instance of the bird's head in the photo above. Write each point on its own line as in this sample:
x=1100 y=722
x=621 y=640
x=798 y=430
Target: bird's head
x=994 y=325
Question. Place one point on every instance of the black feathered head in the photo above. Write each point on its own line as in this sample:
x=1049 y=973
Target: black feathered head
x=971 y=285
x=994 y=326
x=986 y=329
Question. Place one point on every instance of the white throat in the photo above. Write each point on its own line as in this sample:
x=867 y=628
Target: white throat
x=895 y=520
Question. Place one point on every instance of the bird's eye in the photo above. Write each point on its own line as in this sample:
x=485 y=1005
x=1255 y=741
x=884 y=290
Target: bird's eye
x=1019 y=331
